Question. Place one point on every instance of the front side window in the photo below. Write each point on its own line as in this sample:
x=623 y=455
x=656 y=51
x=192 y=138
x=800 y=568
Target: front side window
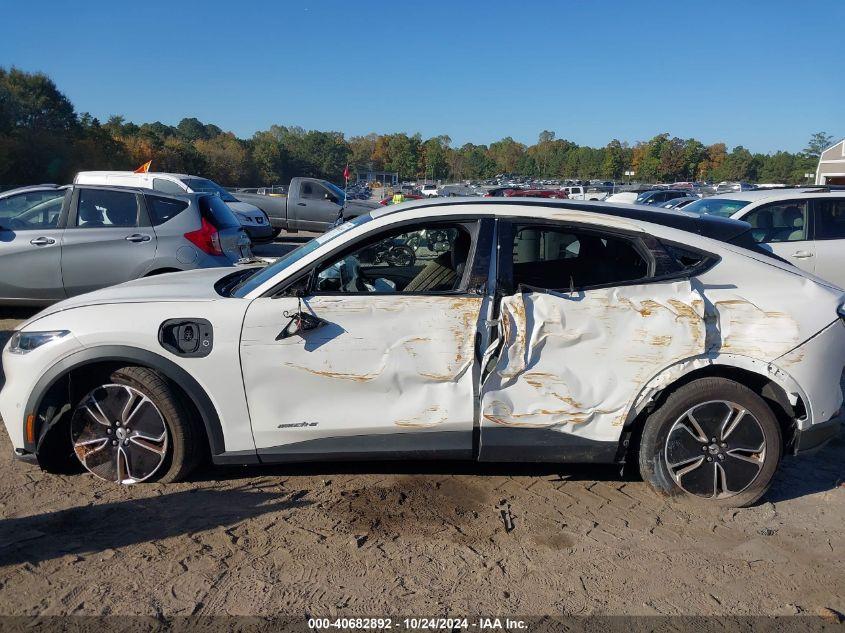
x=780 y=222
x=101 y=208
x=31 y=210
x=562 y=258
x=431 y=258
x=830 y=219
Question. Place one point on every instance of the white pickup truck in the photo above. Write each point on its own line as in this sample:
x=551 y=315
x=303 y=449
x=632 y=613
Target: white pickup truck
x=581 y=192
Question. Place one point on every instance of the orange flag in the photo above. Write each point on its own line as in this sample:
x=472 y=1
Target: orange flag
x=143 y=169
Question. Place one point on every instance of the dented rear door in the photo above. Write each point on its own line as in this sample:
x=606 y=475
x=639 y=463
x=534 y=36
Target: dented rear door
x=572 y=361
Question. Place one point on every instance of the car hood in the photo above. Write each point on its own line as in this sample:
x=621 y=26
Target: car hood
x=192 y=285
x=357 y=207
x=244 y=207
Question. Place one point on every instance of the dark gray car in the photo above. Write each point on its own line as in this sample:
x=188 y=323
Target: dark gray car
x=57 y=242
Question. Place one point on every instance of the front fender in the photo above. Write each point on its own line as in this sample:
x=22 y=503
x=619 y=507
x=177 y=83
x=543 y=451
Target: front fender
x=134 y=356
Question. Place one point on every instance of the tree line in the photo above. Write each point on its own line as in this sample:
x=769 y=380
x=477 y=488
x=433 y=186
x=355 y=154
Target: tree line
x=44 y=139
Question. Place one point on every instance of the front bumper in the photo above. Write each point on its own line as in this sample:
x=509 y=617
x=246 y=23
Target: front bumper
x=817 y=436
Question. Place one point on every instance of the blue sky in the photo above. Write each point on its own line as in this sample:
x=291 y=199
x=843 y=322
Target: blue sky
x=764 y=74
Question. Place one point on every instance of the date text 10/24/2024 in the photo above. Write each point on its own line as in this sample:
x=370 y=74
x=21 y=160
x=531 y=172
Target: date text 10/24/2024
x=431 y=624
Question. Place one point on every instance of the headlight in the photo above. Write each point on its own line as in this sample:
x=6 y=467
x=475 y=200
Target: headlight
x=23 y=342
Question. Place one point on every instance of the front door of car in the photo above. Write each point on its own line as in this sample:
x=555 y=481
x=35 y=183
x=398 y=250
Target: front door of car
x=389 y=367
x=582 y=328
x=784 y=227
x=108 y=240
x=316 y=208
x=30 y=245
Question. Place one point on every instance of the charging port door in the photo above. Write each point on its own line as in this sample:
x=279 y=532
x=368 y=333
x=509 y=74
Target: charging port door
x=191 y=338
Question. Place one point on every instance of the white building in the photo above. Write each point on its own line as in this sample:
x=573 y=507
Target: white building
x=831 y=169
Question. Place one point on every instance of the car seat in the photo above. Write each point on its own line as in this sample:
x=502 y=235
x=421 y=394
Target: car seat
x=122 y=215
x=89 y=214
x=763 y=226
x=794 y=220
x=446 y=270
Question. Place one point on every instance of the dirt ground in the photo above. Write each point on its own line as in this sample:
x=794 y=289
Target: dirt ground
x=415 y=539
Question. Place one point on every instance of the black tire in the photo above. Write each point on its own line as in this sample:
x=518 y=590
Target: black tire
x=737 y=474
x=182 y=450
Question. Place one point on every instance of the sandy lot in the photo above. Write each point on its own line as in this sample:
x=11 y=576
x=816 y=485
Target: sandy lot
x=414 y=539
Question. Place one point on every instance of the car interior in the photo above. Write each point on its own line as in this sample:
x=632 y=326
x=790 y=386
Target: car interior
x=561 y=259
x=430 y=259
x=106 y=208
x=778 y=223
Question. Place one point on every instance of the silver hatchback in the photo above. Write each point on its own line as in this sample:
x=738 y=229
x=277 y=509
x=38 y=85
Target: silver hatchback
x=57 y=242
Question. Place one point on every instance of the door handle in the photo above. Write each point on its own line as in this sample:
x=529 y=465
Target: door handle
x=802 y=254
x=42 y=241
x=137 y=237
x=300 y=204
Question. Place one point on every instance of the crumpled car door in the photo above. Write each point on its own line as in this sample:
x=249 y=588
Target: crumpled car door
x=572 y=363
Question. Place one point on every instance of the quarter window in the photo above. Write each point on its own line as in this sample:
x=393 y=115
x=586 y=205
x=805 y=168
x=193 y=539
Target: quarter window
x=830 y=219
x=561 y=258
x=101 y=208
x=781 y=222
x=163 y=209
x=429 y=258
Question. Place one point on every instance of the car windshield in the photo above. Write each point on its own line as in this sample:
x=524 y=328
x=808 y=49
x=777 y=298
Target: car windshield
x=260 y=276
x=716 y=206
x=204 y=185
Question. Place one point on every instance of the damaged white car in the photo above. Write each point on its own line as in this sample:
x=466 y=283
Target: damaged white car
x=495 y=330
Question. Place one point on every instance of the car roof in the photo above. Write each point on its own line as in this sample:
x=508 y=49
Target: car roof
x=139 y=174
x=769 y=194
x=28 y=188
x=715 y=227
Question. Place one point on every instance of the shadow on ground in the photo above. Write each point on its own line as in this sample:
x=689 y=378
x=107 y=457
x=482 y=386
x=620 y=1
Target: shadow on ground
x=96 y=528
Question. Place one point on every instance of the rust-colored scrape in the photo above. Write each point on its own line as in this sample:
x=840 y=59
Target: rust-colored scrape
x=661 y=340
x=647 y=307
x=685 y=311
x=335 y=374
x=424 y=420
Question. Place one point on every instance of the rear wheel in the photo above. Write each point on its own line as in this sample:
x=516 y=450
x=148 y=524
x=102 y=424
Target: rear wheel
x=131 y=426
x=712 y=439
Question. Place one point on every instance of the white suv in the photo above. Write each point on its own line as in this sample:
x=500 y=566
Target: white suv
x=803 y=226
x=253 y=220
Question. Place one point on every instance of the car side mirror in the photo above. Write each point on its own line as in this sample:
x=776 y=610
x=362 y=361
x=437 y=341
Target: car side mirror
x=300 y=323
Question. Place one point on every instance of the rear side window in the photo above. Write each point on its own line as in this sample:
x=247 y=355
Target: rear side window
x=166 y=186
x=163 y=209
x=781 y=222
x=830 y=219
x=563 y=259
x=218 y=213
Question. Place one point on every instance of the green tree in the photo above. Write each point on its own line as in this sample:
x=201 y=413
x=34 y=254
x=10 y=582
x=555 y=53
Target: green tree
x=819 y=142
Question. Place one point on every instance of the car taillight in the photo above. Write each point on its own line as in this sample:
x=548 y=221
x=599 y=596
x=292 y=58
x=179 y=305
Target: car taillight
x=206 y=238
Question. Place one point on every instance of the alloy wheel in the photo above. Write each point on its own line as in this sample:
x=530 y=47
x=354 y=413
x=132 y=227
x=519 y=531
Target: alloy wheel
x=715 y=449
x=119 y=434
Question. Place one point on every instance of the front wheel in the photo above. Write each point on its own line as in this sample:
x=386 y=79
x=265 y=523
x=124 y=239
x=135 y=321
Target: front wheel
x=713 y=439
x=132 y=427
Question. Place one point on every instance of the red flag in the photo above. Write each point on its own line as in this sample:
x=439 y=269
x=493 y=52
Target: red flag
x=143 y=169
x=346 y=173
